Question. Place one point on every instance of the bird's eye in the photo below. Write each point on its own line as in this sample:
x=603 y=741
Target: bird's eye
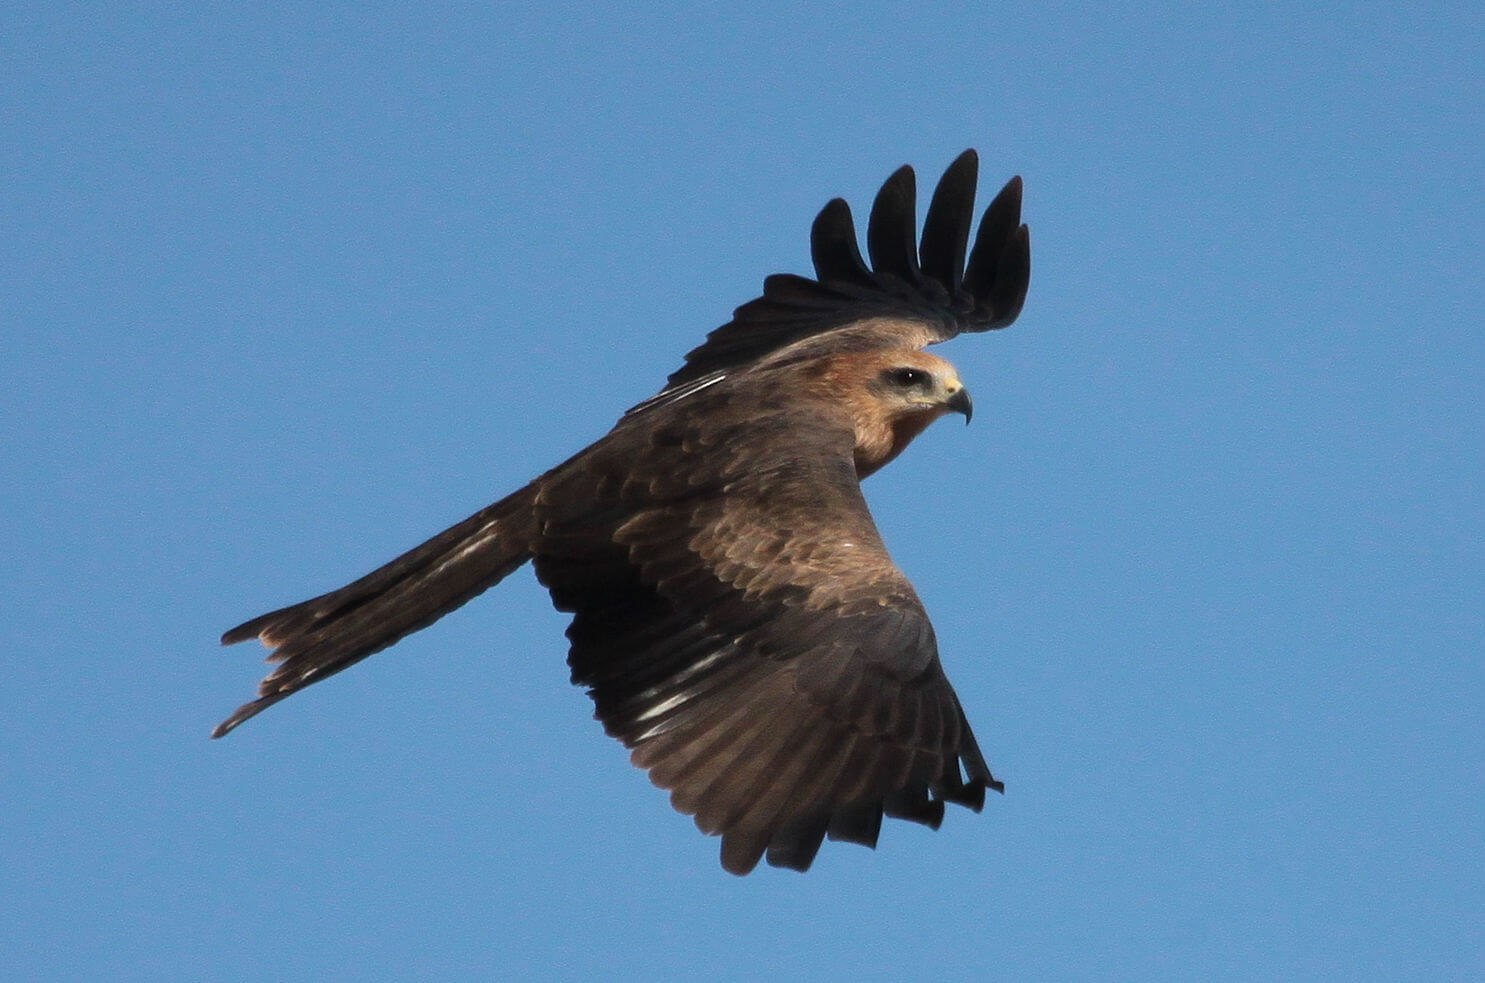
x=906 y=378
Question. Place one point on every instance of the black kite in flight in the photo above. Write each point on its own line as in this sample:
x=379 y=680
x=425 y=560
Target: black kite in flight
x=736 y=618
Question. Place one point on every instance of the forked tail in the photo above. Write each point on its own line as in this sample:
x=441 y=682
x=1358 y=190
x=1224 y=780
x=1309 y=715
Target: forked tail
x=319 y=637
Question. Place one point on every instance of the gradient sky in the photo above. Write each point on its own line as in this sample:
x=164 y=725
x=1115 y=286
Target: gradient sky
x=285 y=289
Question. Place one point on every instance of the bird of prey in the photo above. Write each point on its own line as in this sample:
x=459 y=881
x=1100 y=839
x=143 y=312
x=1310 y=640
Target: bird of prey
x=736 y=618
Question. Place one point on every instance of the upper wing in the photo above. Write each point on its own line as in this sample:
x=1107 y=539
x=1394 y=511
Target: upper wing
x=927 y=291
x=740 y=626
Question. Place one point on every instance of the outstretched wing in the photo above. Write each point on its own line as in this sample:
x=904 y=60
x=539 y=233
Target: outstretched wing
x=741 y=628
x=928 y=291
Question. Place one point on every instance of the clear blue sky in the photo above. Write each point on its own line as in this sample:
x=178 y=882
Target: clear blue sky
x=286 y=290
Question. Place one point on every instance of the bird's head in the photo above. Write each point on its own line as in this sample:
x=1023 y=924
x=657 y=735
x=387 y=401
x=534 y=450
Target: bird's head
x=893 y=396
x=915 y=384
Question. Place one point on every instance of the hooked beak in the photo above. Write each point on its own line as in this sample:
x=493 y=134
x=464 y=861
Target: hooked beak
x=960 y=402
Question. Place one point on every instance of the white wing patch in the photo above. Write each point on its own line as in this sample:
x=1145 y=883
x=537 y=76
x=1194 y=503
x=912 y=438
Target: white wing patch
x=677 y=393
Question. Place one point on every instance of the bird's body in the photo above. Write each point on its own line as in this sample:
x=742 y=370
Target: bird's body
x=736 y=617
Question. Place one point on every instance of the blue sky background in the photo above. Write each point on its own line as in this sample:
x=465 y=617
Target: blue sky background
x=286 y=289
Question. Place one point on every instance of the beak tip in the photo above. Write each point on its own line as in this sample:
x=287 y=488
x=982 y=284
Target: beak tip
x=961 y=403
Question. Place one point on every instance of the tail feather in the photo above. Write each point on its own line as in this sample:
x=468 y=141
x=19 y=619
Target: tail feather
x=319 y=637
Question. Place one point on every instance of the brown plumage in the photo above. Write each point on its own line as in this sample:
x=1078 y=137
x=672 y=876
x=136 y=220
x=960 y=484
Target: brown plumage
x=736 y=618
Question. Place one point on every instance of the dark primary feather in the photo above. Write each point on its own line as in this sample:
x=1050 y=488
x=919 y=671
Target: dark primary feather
x=926 y=284
x=946 y=229
x=835 y=251
x=891 y=232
